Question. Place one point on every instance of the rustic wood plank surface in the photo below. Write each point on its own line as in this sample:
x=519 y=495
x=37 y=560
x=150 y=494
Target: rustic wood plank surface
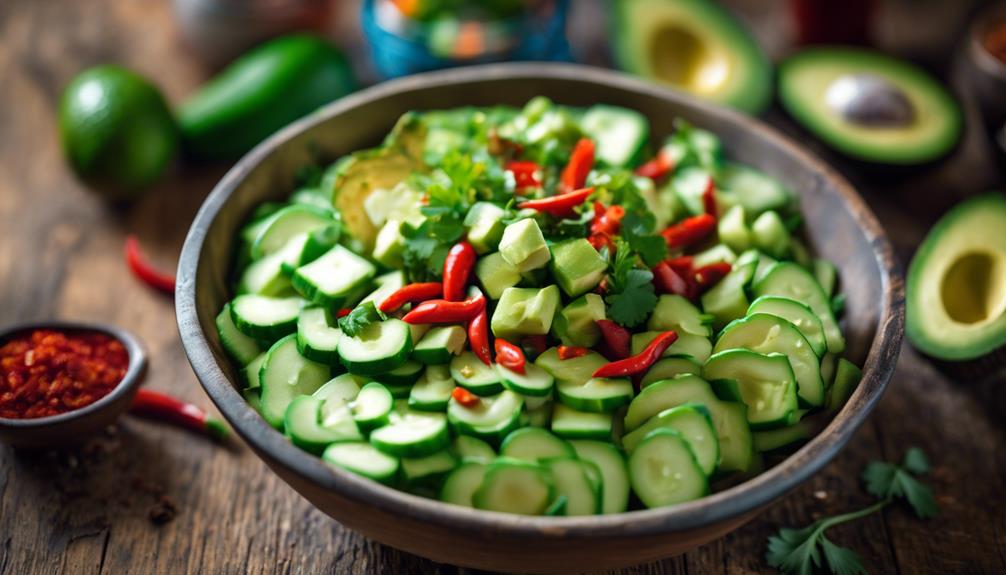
x=92 y=509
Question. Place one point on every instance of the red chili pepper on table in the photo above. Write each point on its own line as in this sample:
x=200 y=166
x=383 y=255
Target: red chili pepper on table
x=689 y=230
x=658 y=167
x=572 y=351
x=560 y=206
x=709 y=275
x=443 y=311
x=574 y=175
x=616 y=339
x=478 y=337
x=144 y=270
x=155 y=405
x=465 y=397
x=457 y=268
x=412 y=293
x=510 y=356
x=640 y=362
x=526 y=174
x=709 y=199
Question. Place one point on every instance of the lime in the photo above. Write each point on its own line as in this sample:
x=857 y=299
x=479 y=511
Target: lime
x=118 y=134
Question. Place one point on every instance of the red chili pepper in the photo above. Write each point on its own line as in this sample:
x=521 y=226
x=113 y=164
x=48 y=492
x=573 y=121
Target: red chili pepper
x=668 y=280
x=144 y=270
x=602 y=241
x=607 y=221
x=155 y=405
x=640 y=362
x=572 y=351
x=709 y=275
x=412 y=293
x=465 y=397
x=344 y=312
x=658 y=167
x=537 y=343
x=478 y=337
x=457 y=268
x=616 y=337
x=574 y=175
x=689 y=230
x=560 y=206
x=526 y=174
x=510 y=356
x=709 y=198
x=443 y=311
x=682 y=265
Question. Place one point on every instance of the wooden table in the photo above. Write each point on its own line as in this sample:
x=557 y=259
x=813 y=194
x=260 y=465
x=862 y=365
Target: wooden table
x=92 y=510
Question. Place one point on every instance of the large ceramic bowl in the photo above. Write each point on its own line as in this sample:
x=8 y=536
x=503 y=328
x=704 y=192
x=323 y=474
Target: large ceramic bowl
x=840 y=225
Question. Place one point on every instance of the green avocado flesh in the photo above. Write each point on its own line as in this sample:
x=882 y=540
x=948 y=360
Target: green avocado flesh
x=956 y=297
x=694 y=46
x=930 y=131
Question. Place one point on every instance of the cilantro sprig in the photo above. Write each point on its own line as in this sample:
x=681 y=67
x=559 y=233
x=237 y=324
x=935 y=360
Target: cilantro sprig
x=630 y=295
x=358 y=319
x=801 y=551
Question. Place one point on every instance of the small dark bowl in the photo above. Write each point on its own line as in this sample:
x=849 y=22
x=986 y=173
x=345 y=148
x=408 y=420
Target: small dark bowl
x=986 y=74
x=74 y=426
x=840 y=227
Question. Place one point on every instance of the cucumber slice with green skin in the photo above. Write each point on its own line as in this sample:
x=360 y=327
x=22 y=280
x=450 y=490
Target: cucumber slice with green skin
x=534 y=382
x=575 y=371
x=694 y=423
x=756 y=191
x=412 y=434
x=440 y=344
x=540 y=417
x=363 y=459
x=676 y=313
x=406 y=374
x=387 y=284
x=286 y=223
x=251 y=372
x=251 y=395
x=826 y=275
x=265 y=277
x=557 y=508
x=307 y=430
x=461 y=484
x=611 y=465
x=663 y=470
x=433 y=390
x=732 y=229
x=470 y=373
x=317 y=336
x=286 y=374
x=335 y=279
x=828 y=364
x=514 y=486
x=468 y=448
x=787 y=279
x=764 y=333
x=266 y=318
x=535 y=444
x=569 y=423
x=696 y=347
x=765 y=383
x=716 y=254
x=847 y=377
x=491 y=420
x=727 y=301
x=429 y=470
x=688 y=185
x=400 y=392
x=240 y=347
x=620 y=134
x=670 y=367
x=570 y=475
x=774 y=439
x=795 y=313
x=729 y=419
x=378 y=348
x=340 y=389
x=597 y=395
x=372 y=406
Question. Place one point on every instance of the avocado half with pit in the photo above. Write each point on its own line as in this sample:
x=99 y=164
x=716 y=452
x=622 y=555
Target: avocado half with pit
x=956 y=291
x=869 y=106
x=694 y=46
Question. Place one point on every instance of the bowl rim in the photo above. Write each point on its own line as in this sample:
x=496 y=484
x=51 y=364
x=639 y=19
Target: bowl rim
x=745 y=497
x=133 y=376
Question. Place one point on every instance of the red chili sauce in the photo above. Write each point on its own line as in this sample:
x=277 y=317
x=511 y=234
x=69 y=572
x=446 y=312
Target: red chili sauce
x=46 y=372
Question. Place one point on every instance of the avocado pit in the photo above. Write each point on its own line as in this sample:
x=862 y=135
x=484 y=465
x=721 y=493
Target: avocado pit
x=870 y=101
x=973 y=290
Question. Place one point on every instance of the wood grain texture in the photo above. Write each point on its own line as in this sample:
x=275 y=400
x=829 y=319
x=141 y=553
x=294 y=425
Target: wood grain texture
x=88 y=510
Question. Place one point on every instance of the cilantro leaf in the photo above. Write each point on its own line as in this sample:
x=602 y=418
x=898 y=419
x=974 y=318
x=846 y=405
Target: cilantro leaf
x=878 y=477
x=841 y=560
x=918 y=495
x=633 y=303
x=915 y=461
x=636 y=228
x=423 y=254
x=793 y=550
x=890 y=481
x=361 y=316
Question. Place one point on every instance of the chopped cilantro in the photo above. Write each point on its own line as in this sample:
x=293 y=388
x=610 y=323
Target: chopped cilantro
x=361 y=316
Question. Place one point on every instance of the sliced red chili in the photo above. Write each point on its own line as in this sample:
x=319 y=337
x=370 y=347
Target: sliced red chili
x=709 y=199
x=668 y=280
x=464 y=397
x=526 y=174
x=162 y=407
x=640 y=362
x=709 y=275
x=690 y=230
x=443 y=311
x=658 y=167
x=537 y=343
x=478 y=337
x=144 y=270
x=510 y=356
x=343 y=312
x=616 y=337
x=412 y=293
x=572 y=351
x=560 y=206
x=607 y=220
x=581 y=161
x=457 y=268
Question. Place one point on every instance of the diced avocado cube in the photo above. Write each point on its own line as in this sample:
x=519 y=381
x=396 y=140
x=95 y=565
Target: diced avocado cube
x=576 y=323
x=524 y=246
x=770 y=235
x=576 y=266
x=496 y=274
x=733 y=229
x=715 y=254
x=525 y=311
x=388 y=245
x=485 y=226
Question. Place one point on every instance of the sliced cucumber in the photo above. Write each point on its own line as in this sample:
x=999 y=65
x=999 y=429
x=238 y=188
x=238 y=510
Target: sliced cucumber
x=363 y=459
x=285 y=375
x=460 y=486
x=540 y=417
x=727 y=301
x=569 y=423
x=574 y=371
x=305 y=426
x=688 y=185
x=265 y=277
x=277 y=230
x=797 y=314
x=317 y=335
x=826 y=275
x=340 y=389
x=696 y=347
x=242 y=348
x=440 y=344
x=412 y=433
x=619 y=133
x=765 y=383
x=534 y=382
x=266 y=318
x=372 y=406
x=466 y=447
x=429 y=470
x=756 y=191
x=251 y=372
x=433 y=390
x=492 y=419
x=583 y=495
x=515 y=486
x=669 y=367
x=847 y=377
x=676 y=313
x=663 y=470
x=470 y=373
x=773 y=439
x=378 y=348
x=557 y=508
x=387 y=284
x=336 y=279
x=614 y=474
x=788 y=279
x=535 y=444
x=596 y=394
x=406 y=374
x=694 y=423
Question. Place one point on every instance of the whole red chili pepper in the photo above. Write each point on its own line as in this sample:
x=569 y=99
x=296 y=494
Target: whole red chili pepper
x=668 y=280
x=616 y=337
x=510 y=356
x=709 y=198
x=344 y=312
x=161 y=407
x=658 y=167
x=526 y=174
x=443 y=311
x=457 y=267
x=144 y=270
x=572 y=351
x=574 y=175
x=537 y=343
x=560 y=206
x=465 y=397
x=709 y=275
x=640 y=362
x=689 y=230
x=412 y=293
x=478 y=337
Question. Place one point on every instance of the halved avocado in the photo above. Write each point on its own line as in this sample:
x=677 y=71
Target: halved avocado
x=869 y=106
x=695 y=46
x=956 y=291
